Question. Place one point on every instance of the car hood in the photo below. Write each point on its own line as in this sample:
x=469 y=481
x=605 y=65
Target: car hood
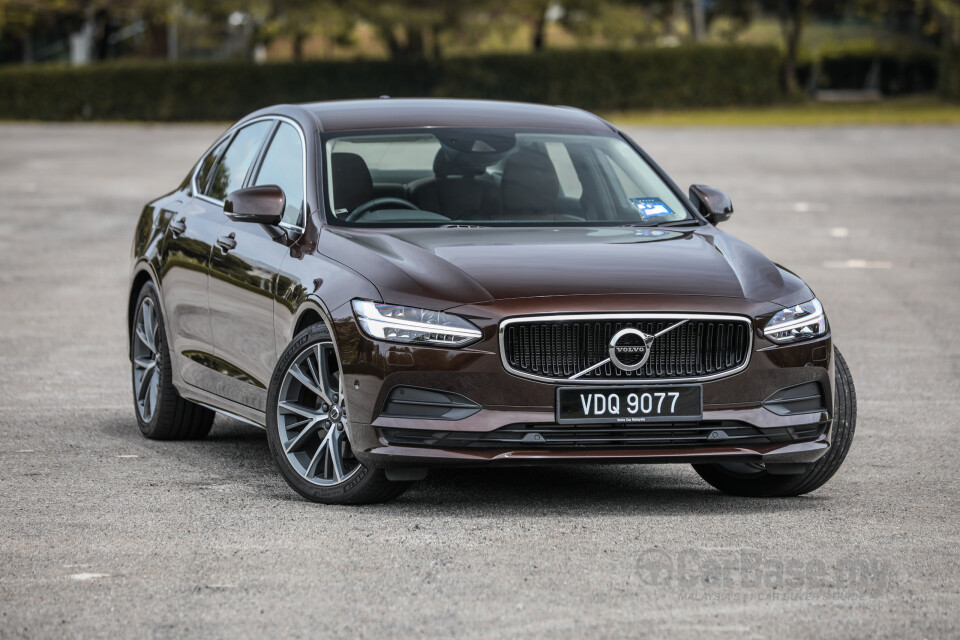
x=446 y=267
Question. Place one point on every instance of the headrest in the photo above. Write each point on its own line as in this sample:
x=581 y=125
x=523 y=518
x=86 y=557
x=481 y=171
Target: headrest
x=529 y=182
x=444 y=165
x=352 y=184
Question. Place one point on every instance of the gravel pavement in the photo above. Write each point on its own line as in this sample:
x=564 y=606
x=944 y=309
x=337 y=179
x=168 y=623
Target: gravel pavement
x=106 y=534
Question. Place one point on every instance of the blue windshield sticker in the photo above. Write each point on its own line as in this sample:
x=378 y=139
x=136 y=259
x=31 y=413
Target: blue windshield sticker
x=651 y=208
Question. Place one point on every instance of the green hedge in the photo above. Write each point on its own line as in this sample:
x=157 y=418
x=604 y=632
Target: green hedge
x=646 y=78
x=649 y=78
x=900 y=72
x=950 y=75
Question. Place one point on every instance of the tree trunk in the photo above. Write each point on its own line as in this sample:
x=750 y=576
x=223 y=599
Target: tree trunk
x=157 y=38
x=540 y=32
x=415 y=44
x=28 y=48
x=102 y=32
x=298 y=39
x=791 y=14
x=435 y=41
x=393 y=45
x=698 y=21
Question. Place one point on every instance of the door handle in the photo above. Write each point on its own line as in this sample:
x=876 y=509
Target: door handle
x=178 y=226
x=227 y=242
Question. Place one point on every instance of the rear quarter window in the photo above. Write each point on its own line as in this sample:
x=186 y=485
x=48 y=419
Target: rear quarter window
x=207 y=164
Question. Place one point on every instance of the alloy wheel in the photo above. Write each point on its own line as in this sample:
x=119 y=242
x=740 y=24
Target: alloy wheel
x=146 y=359
x=312 y=418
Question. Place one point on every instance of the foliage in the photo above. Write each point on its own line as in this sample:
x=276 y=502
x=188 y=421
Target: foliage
x=900 y=72
x=895 y=111
x=635 y=78
x=950 y=74
x=639 y=78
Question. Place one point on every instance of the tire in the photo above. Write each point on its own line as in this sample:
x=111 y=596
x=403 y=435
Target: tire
x=161 y=413
x=755 y=481
x=306 y=427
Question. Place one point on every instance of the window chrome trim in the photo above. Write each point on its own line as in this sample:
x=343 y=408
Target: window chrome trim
x=229 y=132
x=622 y=316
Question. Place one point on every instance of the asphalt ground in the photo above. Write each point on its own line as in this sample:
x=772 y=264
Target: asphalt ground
x=106 y=534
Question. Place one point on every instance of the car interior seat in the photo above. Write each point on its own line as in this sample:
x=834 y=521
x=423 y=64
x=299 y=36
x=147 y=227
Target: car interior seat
x=529 y=187
x=459 y=190
x=352 y=183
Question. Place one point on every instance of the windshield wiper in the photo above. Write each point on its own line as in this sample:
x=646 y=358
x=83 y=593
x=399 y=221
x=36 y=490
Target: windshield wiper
x=679 y=223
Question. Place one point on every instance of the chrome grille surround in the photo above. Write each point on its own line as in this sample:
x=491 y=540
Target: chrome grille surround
x=600 y=346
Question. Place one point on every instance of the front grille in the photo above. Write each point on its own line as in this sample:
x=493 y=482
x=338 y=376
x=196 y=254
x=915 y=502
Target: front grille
x=558 y=347
x=563 y=437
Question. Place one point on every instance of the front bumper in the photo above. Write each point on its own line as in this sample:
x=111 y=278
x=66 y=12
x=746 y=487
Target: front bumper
x=513 y=405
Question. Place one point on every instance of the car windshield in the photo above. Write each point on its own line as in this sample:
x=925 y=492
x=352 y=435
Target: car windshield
x=495 y=177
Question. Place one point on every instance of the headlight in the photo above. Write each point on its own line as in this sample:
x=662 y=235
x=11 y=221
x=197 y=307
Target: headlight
x=796 y=323
x=408 y=324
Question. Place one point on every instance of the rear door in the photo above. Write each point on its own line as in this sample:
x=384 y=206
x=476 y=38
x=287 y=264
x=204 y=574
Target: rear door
x=244 y=266
x=185 y=256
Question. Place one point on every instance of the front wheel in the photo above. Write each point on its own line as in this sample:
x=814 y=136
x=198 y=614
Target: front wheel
x=306 y=427
x=752 y=479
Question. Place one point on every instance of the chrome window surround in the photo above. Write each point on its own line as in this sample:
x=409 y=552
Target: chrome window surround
x=230 y=132
x=623 y=316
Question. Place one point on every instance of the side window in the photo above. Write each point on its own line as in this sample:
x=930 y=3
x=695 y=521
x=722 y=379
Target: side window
x=283 y=166
x=233 y=168
x=206 y=165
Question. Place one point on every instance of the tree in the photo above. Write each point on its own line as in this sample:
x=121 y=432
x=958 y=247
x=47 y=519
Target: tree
x=298 y=20
x=936 y=20
x=792 y=15
x=409 y=28
x=21 y=19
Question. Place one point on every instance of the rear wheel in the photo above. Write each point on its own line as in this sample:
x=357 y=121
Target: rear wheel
x=161 y=413
x=307 y=427
x=753 y=478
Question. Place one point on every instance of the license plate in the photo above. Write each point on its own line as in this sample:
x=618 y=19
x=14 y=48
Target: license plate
x=629 y=404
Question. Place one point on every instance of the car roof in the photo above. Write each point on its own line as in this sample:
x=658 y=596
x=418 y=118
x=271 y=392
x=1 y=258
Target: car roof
x=403 y=113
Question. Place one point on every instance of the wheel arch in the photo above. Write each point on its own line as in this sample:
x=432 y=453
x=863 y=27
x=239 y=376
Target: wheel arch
x=140 y=278
x=142 y=274
x=309 y=317
x=311 y=311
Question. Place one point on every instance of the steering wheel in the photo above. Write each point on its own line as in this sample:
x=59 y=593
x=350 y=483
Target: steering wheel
x=376 y=203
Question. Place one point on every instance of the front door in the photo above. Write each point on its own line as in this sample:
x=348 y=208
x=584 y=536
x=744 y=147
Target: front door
x=243 y=284
x=244 y=266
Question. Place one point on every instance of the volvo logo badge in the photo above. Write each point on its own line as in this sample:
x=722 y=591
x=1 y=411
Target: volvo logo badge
x=629 y=349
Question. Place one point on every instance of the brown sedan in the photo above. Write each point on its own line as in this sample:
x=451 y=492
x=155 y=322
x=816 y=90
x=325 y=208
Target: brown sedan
x=392 y=285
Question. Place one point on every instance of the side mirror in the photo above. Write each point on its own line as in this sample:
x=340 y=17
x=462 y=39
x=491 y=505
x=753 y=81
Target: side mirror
x=714 y=204
x=264 y=204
